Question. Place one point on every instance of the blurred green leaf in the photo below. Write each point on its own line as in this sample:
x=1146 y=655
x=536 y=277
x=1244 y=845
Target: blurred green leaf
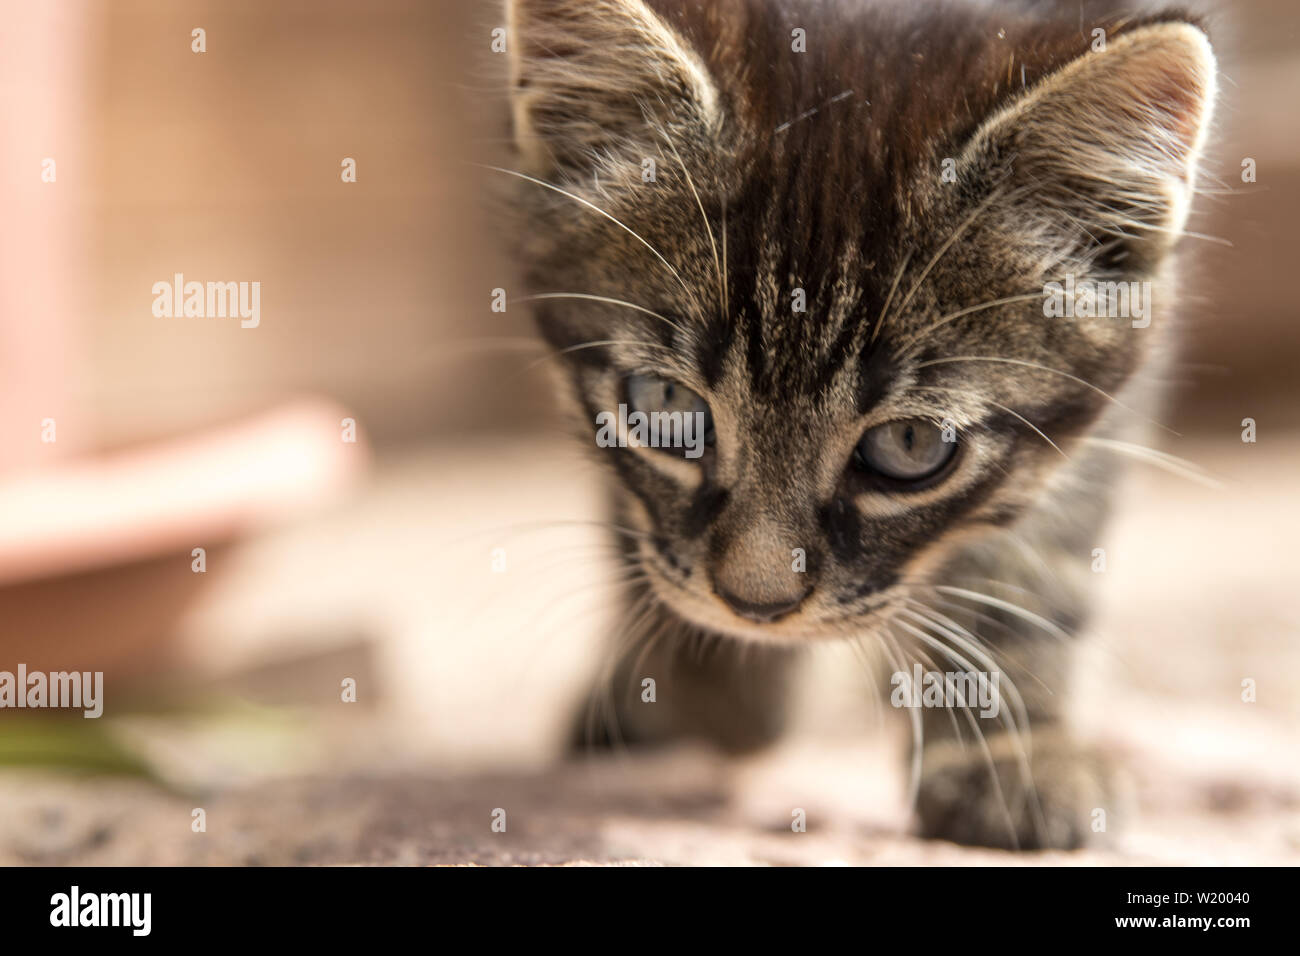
x=73 y=745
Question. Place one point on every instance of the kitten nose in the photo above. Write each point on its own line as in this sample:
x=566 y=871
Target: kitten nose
x=763 y=612
x=760 y=571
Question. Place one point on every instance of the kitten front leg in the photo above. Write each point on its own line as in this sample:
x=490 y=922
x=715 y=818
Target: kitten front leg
x=673 y=684
x=1016 y=779
x=976 y=799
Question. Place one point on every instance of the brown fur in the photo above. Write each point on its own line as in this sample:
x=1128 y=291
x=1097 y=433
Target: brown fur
x=822 y=171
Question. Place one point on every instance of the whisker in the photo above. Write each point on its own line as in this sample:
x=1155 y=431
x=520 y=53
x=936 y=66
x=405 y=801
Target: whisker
x=912 y=342
x=649 y=647
x=1044 y=368
x=607 y=300
x=925 y=658
x=717 y=264
x=594 y=208
x=928 y=616
x=984 y=745
x=860 y=651
x=884 y=309
x=1163 y=460
x=602 y=698
x=943 y=249
x=918 y=728
x=990 y=621
x=726 y=285
x=601 y=343
x=1027 y=550
x=1007 y=606
x=1009 y=411
x=1041 y=434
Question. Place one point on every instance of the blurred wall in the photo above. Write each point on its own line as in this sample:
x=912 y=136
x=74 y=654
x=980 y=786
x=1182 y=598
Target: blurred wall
x=225 y=165
x=1243 y=324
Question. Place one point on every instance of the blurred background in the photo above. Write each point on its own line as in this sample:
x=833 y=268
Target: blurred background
x=442 y=559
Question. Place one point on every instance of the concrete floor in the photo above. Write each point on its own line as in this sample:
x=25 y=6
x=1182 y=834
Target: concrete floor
x=467 y=678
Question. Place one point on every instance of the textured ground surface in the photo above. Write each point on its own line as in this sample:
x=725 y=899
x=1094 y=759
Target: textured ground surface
x=466 y=678
x=676 y=810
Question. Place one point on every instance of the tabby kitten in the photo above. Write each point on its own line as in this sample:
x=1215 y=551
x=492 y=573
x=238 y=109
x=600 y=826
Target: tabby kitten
x=827 y=228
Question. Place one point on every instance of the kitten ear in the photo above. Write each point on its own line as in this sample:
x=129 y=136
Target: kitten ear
x=586 y=76
x=1107 y=147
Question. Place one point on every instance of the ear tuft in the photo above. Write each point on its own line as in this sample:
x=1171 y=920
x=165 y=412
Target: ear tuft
x=588 y=77
x=1110 y=143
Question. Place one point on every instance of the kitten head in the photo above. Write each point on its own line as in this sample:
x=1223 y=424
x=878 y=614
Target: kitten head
x=835 y=233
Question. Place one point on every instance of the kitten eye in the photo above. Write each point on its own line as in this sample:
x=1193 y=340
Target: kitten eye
x=908 y=451
x=651 y=394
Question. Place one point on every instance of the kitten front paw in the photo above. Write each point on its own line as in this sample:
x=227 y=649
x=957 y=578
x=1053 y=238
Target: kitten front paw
x=959 y=797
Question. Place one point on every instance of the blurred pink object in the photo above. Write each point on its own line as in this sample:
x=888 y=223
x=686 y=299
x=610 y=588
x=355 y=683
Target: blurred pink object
x=191 y=492
x=96 y=566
